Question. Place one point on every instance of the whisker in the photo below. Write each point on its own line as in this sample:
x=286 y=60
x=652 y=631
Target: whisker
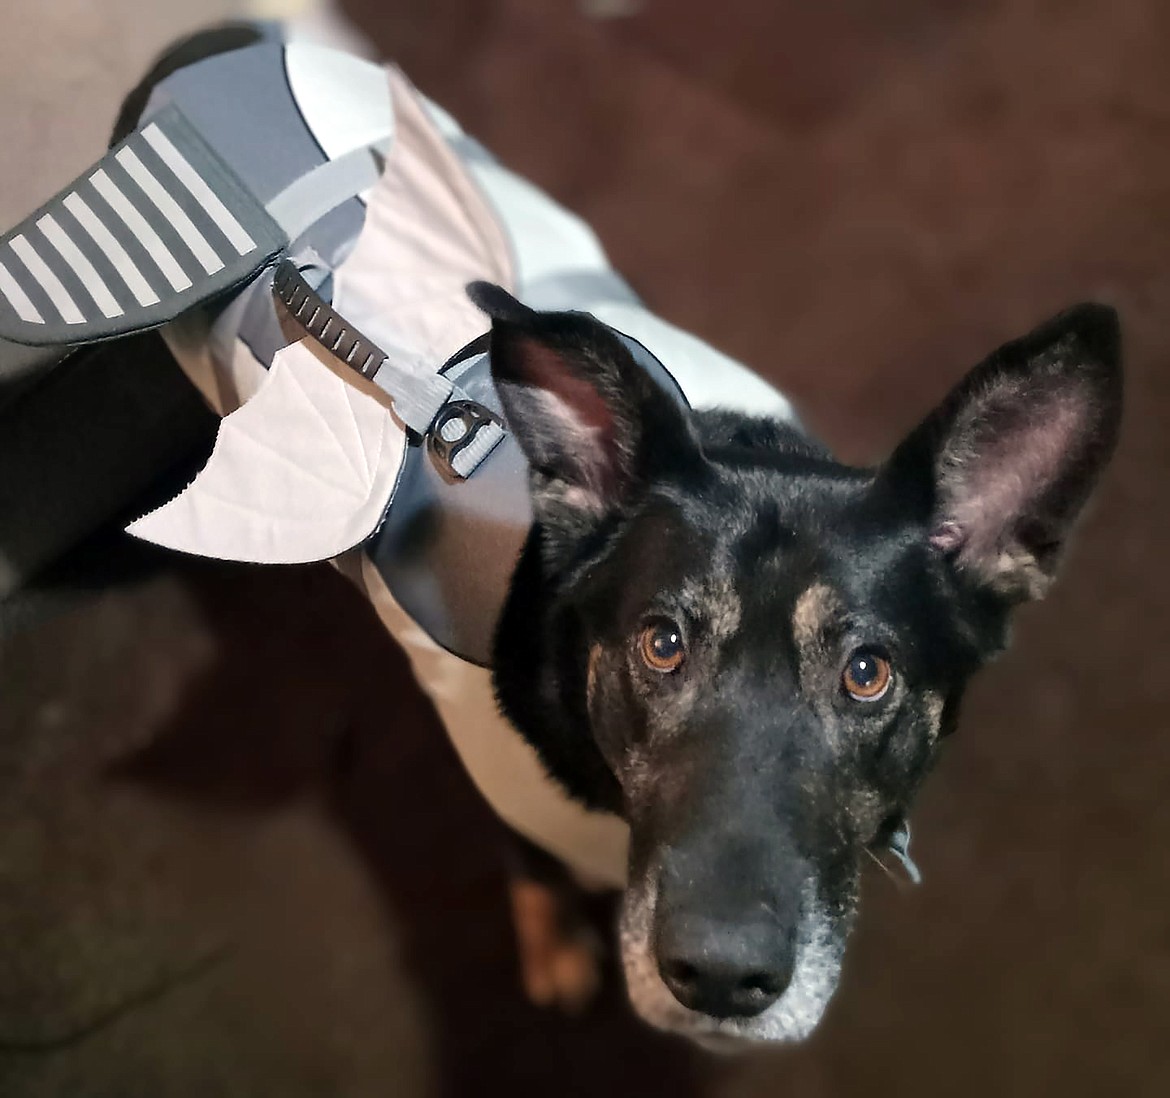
x=883 y=867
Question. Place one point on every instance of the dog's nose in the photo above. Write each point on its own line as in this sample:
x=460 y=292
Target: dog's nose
x=725 y=970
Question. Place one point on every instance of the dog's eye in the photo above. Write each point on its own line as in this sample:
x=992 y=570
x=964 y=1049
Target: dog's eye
x=867 y=676
x=661 y=646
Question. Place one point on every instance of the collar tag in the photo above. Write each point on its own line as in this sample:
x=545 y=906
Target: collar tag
x=899 y=846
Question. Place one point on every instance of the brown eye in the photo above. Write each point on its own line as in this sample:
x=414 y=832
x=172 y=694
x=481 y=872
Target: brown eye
x=662 y=647
x=867 y=676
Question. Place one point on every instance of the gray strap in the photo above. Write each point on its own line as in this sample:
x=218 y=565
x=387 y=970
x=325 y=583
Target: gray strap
x=462 y=432
x=306 y=200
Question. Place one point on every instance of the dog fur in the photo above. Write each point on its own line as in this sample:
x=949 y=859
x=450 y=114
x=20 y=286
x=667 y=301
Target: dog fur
x=753 y=783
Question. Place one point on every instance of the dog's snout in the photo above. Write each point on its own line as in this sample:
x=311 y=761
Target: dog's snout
x=724 y=970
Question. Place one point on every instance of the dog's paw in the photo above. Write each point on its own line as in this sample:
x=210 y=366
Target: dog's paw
x=560 y=957
x=566 y=976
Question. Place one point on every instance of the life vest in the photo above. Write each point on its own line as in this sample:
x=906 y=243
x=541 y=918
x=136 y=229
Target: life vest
x=302 y=224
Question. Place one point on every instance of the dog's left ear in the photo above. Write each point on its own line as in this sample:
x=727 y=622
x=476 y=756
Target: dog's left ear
x=593 y=424
x=1002 y=469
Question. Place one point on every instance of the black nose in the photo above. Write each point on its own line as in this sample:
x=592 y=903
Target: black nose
x=725 y=970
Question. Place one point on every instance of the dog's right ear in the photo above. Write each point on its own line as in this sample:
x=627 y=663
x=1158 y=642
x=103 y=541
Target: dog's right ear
x=592 y=423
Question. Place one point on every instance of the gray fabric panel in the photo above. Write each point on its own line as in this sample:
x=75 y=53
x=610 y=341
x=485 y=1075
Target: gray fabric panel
x=168 y=216
x=200 y=219
x=134 y=250
x=67 y=281
x=65 y=240
x=252 y=315
x=333 y=236
x=190 y=51
x=210 y=94
x=32 y=290
x=79 y=207
x=447 y=550
x=248 y=316
x=135 y=218
x=147 y=219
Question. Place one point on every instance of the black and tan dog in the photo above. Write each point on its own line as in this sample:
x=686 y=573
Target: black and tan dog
x=746 y=650
x=753 y=652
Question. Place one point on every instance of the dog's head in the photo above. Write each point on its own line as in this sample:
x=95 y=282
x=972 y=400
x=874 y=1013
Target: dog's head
x=752 y=651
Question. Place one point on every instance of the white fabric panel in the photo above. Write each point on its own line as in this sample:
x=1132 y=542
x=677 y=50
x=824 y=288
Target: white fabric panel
x=304 y=470
x=708 y=377
x=299 y=473
x=445 y=122
x=428 y=232
x=344 y=100
x=546 y=239
x=503 y=765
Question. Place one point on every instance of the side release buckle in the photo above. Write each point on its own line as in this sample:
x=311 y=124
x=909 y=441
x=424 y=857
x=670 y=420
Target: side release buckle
x=460 y=432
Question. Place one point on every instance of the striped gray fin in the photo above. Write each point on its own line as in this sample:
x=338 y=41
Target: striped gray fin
x=160 y=224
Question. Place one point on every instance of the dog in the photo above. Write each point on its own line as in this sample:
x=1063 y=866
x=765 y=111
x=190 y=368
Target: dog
x=718 y=653
x=752 y=652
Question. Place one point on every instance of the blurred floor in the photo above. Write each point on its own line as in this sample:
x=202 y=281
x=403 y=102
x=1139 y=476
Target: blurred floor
x=229 y=866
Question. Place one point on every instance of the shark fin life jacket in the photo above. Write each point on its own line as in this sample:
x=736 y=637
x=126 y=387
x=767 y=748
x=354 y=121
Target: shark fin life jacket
x=302 y=225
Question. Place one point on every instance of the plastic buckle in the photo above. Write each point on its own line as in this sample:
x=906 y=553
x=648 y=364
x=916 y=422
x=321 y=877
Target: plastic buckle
x=455 y=429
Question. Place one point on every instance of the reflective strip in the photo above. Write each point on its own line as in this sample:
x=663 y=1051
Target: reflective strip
x=112 y=250
x=171 y=210
x=17 y=298
x=137 y=224
x=82 y=267
x=202 y=193
x=307 y=199
x=50 y=283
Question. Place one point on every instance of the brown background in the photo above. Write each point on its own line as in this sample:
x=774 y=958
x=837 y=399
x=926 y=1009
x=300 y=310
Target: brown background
x=229 y=865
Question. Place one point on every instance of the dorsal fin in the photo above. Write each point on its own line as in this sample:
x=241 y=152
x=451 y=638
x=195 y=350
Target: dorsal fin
x=157 y=226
